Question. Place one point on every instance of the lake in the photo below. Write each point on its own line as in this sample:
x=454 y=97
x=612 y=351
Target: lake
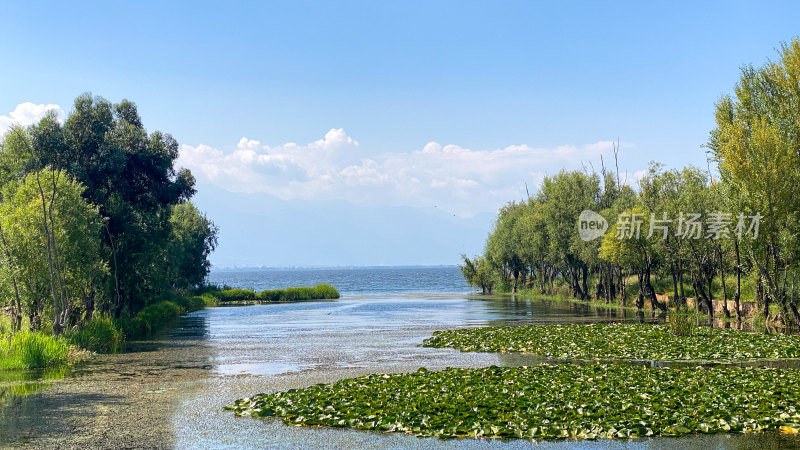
x=172 y=392
x=350 y=281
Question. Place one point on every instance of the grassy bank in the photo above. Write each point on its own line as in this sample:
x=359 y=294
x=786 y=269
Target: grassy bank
x=620 y=341
x=662 y=285
x=546 y=402
x=291 y=294
x=753 y=320
x=27 y=350
x=563 y=298
x=107 y=335
x=103 y=334
x=41 y=350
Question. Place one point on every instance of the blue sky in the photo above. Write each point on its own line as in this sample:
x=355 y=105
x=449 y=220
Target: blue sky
x=415 y=116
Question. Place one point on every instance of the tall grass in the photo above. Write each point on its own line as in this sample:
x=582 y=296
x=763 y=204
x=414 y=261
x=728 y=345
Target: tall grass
x=100 y=335
x=209 y=300
x=26 y=350
x=106 y=335
x=229 y=295
x=681 y=322
x=292 y=294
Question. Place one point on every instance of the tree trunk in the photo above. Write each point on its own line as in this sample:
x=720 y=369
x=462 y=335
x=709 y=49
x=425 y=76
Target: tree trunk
x=795 y=315
x=49 y=244
x=651 y=292
x=737 y=295
x=766 y=295
x=516 y=280
x=63 y=289
x=761 y=298
x=612 y=282
x=16 y=310
x=674 y=275
x=724 y=287
x=576 y=287
x=585 y=290
x=710 y=300
x=640 y=296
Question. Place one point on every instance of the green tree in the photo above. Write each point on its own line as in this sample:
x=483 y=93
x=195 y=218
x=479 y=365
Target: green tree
x=193 y=238
x=563 y=197
x=629 y=245
x=54 y=250
x=477 y=273
x=129 y=173
x=757 y=146
x=151 y=240
x=503 y=248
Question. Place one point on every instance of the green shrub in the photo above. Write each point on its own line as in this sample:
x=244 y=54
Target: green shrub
x=158 y=315
x=325 y=291
x=235 y=295
x=27 y=350
x=272 y=295
x=209 y=300
x=188 y=304
x=132 y=328
x=293 y=294
x=100 y=335
x=681 y=322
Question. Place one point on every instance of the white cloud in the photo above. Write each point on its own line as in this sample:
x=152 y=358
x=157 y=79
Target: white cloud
x=450 y=177
x=26 y=114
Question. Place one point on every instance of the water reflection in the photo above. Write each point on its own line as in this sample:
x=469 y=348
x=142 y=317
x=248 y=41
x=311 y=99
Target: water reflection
x=16 y=385
x=14 y=393
x=217 y=355
x=192 y=326
x=359 y=330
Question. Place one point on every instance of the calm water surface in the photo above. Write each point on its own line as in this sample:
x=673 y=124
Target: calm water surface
x=377 y=326
x=350 y=281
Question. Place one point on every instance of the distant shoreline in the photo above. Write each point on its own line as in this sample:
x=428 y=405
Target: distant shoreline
x=290 y=268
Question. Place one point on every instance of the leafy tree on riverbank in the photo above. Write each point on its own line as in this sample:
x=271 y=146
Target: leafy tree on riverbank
x=193 y=239
x=756 y=146
x=53 y=268
x=95 y=217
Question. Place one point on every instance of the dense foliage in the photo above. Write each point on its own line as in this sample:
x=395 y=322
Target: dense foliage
x=620 y=341
x=536 y=243
x=96 y=220
x=546 y=402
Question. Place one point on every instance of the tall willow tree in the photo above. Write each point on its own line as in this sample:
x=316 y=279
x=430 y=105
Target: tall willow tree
x=563 y=197
x=757 y=145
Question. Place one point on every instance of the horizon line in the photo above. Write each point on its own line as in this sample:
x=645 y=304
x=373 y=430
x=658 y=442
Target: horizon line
x=321 y=267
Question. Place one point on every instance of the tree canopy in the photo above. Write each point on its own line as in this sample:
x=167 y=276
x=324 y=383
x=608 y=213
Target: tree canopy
x=95 y=216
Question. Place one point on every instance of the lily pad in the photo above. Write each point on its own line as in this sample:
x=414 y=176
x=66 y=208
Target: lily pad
x=584 y=401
